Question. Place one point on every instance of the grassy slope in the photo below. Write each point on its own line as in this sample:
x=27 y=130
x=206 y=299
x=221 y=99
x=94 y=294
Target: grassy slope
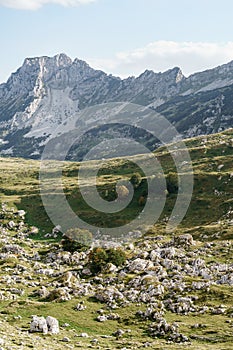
x=212 y=195
x=19 y=186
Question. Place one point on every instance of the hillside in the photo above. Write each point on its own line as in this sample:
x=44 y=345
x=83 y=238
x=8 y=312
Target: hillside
x=212 y=196
x=173 y=289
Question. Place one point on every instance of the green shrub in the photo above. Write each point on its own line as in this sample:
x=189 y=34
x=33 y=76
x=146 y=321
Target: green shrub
x=76 y=239
x=99 y=257
x=116 y=256
x=136 y=180
x=172 y=183
x=9 y=262
x=109 y=193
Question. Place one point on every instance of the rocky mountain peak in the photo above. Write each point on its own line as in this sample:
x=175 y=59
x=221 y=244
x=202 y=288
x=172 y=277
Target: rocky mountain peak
x=80 y=63
x=175 y=75
x=147 y=74
x=179 y=74
x=209 y=79
x=58 y=60
x=63 y=60
x=46 y=92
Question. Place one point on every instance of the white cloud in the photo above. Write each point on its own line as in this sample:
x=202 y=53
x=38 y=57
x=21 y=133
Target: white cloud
x=162 y=55
x=36 y=4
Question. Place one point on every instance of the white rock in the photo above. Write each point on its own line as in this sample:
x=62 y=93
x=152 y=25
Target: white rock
x=53 y=325
x=84 y=335
x=138 y=265
x=66 y=340
x=21 y=213
x=102 y=318
x=38 y=324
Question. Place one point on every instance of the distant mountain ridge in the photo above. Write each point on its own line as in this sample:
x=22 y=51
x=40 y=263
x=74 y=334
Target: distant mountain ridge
x=47 y=92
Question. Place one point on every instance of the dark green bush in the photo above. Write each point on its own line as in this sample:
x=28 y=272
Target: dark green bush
x=99 y=257
x=116 y=256
x=172 y=183
x=109 y=193
x=76 y=239
x=136 y=180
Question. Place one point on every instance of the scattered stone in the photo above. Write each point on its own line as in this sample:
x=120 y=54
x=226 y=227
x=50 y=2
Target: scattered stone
x=33 y=230
x=159 y=275
x=119 y=333
x=66 y=340
x=42 y=292
x=102 y=318
x=167 y=331
x=109 y=268
x=80 y=307
x=94 y=341
x=84 y=335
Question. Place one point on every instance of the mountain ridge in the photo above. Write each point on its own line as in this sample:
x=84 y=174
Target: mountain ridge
x=47 y=92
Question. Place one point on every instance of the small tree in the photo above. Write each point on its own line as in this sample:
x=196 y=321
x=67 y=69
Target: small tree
x=116 y=256
x=172 y=183
x=76 y=239
x=142 y=201
x=99 y=257
x=136 y=180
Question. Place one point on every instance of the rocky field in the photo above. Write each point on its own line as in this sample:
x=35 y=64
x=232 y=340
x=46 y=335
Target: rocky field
x=170 y=291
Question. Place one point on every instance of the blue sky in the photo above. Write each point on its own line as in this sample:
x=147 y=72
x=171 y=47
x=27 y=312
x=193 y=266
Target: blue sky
x=123 y=37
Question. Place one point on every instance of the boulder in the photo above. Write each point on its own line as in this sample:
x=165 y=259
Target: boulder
x=42 y=292
x=138 y=265
x=66 y=340
x=101 y=318
x=38 y=324
x=53 y=325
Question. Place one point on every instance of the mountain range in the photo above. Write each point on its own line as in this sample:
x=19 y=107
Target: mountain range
x=47 y=94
